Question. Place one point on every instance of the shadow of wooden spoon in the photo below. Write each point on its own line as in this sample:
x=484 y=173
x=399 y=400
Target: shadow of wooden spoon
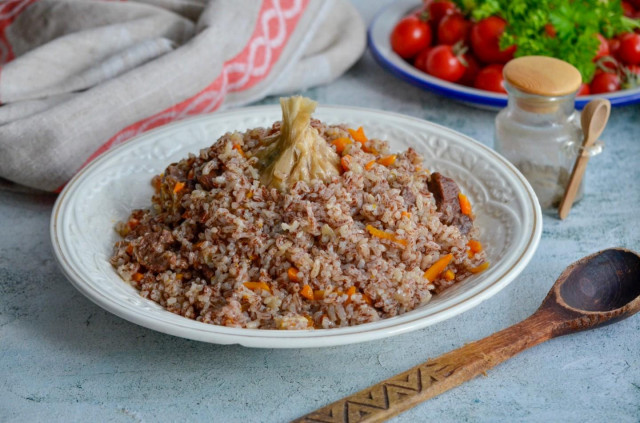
x=597 y=290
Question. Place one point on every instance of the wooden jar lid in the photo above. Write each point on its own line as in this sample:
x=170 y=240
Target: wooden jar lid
x=541 y=75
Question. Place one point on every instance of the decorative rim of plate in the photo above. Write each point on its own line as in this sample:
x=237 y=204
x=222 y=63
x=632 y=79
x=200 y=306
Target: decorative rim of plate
x=191 y=329
x=378 y=36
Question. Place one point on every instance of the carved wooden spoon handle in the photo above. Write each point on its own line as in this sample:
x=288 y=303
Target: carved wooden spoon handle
x=401 y=392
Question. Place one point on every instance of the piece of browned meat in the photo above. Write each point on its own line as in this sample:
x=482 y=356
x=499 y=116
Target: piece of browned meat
x=445 y=191
x=153 y=251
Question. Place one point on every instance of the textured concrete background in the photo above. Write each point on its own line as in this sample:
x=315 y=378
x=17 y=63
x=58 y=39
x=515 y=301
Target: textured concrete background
x=62 y=358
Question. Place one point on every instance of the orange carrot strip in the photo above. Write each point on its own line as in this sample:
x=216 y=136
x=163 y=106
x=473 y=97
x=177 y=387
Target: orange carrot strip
x=130 y=249
x=350 y=292
x=309 y=320
x=179 y=186
x=449 y=275
x=239 y=150
x=358 y=135
x=385 y=235
x=387 y=160
x=318 y=294
x=293 y=274
x=406 y=214
x=307 y=292
x=367 y=299
x=400 y=241
x=474 y=247
x=465 y=205
x=438 y=267
x=377 y=232
x=340 y=144
x=484 y=266
x=345 y=161
x=137 y=277
x=257 y=285
x=369 y=165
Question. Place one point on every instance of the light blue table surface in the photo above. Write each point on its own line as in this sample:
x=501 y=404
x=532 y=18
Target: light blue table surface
x=62 y=358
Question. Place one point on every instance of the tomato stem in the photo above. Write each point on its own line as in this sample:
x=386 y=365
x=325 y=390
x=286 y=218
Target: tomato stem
x=460 y=49
x=424 y=16
x=608 y=64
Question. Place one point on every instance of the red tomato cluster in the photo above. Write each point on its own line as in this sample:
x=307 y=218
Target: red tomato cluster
x=442 y=42
x=618 y=62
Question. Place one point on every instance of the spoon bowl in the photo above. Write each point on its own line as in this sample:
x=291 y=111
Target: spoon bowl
x=594 y=118
x=597 y=290
x=606 y=281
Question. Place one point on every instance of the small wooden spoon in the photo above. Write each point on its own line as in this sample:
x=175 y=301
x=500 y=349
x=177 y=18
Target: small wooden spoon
x=593 y=120
x=597 y=290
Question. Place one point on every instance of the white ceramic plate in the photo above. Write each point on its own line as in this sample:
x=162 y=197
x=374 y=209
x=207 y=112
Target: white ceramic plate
x=378 y=37
x=104 y=192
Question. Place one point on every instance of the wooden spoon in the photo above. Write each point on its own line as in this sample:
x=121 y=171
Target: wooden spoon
x=595 y=291
x=593 y=119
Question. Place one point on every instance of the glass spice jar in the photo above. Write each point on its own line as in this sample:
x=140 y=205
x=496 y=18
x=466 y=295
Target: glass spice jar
x=539 y=130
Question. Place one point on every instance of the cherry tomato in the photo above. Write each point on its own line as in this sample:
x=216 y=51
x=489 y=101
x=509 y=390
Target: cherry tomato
x=440 y=9
x=628 y=10
x=614 y=47
x=490 y=79
x=409 y=36
x=629 y=51
x=470 y=72
x=443 y=63
x=604 y=82
x=584 y=90
x=453 y=28
x=603 y=48
x=420 y=61
x=485 y=41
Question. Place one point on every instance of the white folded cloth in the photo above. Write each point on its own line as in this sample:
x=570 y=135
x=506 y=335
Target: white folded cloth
x=79 y=77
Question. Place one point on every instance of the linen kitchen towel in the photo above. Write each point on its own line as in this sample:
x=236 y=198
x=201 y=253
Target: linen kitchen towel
x=80 y=77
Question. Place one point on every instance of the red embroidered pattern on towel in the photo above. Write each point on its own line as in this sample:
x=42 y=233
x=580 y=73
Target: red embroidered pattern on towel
x=9 y=11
